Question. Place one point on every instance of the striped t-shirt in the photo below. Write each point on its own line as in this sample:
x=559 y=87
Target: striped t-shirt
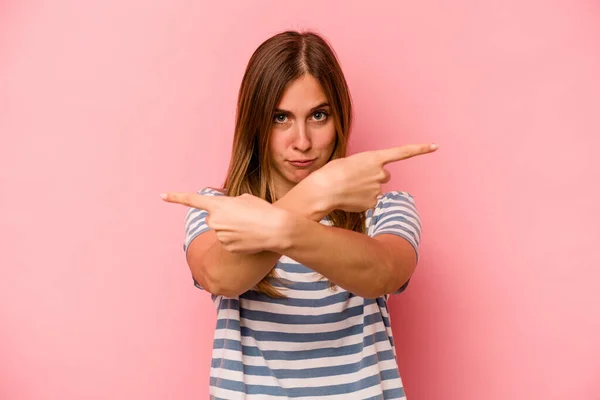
x=316 y=342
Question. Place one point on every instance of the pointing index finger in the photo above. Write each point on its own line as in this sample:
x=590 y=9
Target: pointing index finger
x=403 y=152
x=194 y=200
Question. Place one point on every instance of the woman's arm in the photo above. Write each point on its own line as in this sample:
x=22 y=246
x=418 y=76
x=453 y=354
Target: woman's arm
x=230 y=274
x=365 y=266
x=350 y=184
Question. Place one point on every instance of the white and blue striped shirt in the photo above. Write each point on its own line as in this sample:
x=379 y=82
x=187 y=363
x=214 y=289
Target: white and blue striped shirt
x=316 y=342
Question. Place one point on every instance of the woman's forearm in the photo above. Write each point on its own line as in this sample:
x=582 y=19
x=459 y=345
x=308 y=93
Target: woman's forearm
x=231 y=274
x=364 y=266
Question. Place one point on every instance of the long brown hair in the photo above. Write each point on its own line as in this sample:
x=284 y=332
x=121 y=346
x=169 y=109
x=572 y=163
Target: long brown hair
x=277 y=62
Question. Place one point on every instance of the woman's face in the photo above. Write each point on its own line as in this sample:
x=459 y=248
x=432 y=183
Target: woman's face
x=303 y=134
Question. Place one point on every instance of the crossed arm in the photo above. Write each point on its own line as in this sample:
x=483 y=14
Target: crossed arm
x=365 y=266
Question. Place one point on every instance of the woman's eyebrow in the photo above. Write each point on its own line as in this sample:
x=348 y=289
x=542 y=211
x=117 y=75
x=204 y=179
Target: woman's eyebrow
x=322 y=105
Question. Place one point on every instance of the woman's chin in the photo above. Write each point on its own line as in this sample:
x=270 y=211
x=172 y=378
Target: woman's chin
x=299 y=176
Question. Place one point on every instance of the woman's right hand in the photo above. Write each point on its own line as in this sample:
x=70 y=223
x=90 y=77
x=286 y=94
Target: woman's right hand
x=354 y=183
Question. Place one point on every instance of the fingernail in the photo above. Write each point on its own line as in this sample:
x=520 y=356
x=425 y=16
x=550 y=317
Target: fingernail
x=163 y=196
x=433 y=146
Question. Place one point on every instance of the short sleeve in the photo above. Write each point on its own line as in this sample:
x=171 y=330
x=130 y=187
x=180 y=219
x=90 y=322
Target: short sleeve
x=195 y=219
x=195 y=222
x=396 y=214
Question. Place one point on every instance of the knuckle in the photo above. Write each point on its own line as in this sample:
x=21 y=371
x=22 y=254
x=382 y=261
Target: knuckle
x=386 y=176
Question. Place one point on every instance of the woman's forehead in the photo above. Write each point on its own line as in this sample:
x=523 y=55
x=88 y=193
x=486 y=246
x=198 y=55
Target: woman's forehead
x=305 y=93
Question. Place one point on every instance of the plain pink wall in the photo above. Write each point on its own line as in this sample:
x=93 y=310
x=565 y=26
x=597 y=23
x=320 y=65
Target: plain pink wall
x=106 y=104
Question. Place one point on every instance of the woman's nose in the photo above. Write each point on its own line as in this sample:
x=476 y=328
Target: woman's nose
x=302 y=140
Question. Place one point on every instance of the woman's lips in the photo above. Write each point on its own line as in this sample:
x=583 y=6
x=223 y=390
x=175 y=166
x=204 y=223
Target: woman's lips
x=301 y=163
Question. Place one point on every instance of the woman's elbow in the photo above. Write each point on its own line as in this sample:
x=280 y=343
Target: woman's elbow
x=387 y=282
x=214 y=284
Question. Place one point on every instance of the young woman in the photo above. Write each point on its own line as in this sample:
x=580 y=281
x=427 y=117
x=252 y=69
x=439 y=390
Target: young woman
x=300 y=249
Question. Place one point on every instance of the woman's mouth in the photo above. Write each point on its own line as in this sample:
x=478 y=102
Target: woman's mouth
x=301 y=163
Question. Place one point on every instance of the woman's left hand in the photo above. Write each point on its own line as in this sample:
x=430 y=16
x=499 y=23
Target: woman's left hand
x=243 y=224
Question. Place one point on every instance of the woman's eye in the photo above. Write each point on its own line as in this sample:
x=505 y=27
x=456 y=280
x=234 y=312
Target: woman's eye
x=320 y=116
x=280 y=118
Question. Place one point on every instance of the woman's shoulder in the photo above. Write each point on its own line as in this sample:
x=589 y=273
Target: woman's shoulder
x=395 y=196
x=211 y=191
x=392 y=208
x=393 y=201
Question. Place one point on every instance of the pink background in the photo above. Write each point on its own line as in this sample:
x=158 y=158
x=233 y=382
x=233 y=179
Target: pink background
x=106 y=104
